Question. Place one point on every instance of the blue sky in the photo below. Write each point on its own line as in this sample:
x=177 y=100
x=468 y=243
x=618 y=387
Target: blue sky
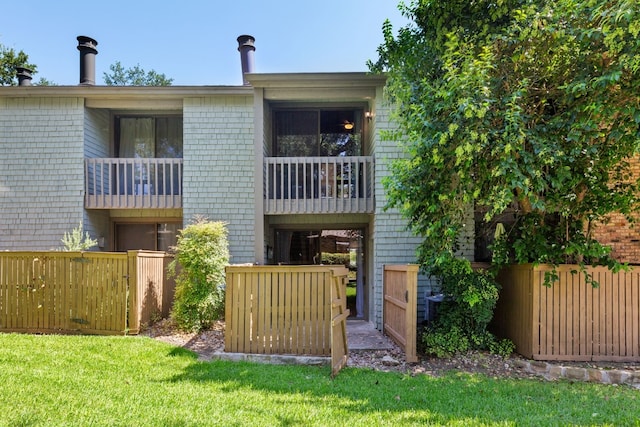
x=194 y=42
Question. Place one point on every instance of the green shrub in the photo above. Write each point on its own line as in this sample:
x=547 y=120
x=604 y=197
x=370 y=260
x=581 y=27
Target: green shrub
x=78 y=240
x=443 y=343
x=336 y=259
x=503 y=347
x=464 y=315
x=202 y=254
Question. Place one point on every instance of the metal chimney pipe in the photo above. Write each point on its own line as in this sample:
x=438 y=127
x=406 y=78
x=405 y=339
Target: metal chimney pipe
x=88 y=52
x=24 y=76
x=246 y=49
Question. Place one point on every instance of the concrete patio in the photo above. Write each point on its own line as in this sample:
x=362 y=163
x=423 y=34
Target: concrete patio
x=362 y=335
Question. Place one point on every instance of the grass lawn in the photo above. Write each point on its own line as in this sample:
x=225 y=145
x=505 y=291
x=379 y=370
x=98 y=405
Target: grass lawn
x=136 y=381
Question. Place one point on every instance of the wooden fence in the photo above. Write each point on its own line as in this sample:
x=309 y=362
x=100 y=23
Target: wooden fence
x=82 y=292
x=284 y=309
x=570 y=320
x=400 y=307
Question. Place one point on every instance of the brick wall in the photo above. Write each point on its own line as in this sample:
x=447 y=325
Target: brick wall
x=41 y=171
x=623 y=237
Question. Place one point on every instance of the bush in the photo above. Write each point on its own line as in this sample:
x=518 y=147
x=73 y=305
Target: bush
x=336 y=259
x=465 y=314
x=202 y=254
x=78 y=240
x=443 y=343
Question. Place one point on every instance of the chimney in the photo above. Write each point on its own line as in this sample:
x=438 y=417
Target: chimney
x=88 y=52
x=246 y=49
x=24 y=76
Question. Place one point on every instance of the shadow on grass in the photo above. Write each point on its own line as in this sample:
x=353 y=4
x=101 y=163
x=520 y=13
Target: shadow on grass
x=422 y=399
x=182 y=352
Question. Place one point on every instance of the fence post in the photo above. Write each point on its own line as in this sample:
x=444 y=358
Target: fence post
x=412 y=312
x=133 y=313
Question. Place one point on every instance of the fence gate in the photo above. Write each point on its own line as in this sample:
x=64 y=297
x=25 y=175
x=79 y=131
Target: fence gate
x=401 y=306
x=339 y=314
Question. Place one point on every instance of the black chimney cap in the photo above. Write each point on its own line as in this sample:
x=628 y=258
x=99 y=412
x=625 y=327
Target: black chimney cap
x=87 y=43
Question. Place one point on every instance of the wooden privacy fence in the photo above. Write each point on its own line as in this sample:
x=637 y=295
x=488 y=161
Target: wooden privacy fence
x=570 y=320
x=82 y=292
x=298 y=310
x=400 y=307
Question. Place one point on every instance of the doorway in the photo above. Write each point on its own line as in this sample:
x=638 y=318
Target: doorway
x=327 y=247
x=146 y=236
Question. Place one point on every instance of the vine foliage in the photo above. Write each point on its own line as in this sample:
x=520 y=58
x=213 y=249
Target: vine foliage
x=515 y=103
x=528 y=105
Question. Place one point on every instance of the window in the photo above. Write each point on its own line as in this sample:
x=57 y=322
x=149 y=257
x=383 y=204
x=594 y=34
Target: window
x=326 y=133
x=149 y=137
x=147 y=236
x=148 y=140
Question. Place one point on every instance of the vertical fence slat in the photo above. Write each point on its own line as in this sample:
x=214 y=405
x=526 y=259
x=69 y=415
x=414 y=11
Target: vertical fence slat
x=308 y=313
x=626 y=315
x=633 y=330
x=282 y=323
x=297 y=324
x=273 y=312
x=247 y=315
x=582 y=337
x=603 y=312
x=253 y=298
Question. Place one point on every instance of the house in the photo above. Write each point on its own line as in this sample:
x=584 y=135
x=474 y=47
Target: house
x=281 y=159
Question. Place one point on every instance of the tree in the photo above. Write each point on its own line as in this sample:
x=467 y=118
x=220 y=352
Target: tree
x=529 y=104
x=134 y=76
x=44 y=82
x=9 y=61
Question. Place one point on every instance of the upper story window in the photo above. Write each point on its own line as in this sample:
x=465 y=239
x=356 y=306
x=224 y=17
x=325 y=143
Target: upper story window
x=310 y=132
x=148 y=136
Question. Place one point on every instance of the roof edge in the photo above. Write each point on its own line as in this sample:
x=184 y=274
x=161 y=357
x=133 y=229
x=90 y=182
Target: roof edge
x=102 y=92
x=350 y=79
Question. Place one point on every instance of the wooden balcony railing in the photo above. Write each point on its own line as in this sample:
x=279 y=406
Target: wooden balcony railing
x=318 y=185
x=119 y=183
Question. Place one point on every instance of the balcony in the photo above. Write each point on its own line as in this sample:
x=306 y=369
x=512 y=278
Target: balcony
x=119 y=183
x=298 y=185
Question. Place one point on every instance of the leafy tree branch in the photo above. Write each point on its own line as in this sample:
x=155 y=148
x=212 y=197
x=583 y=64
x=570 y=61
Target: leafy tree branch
x=533 y=105
x=134 y=76
x=9 y=61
